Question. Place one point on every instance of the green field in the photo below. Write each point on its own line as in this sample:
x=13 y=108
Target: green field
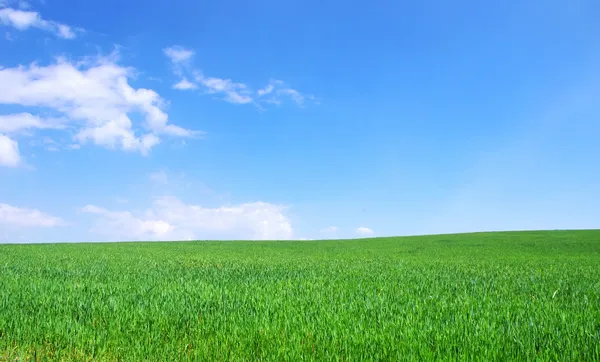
x=484 y=296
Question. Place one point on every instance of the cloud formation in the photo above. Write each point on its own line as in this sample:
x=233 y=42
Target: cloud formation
x=178 y=54
x=232 y=92
x=184 y=84
x=23 y=20
x=171 y=219
x=364 y=231
x=275 y=92
x=22 y=217
x=94 y=97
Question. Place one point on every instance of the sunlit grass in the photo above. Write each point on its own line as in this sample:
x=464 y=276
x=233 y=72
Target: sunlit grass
x=488 y=296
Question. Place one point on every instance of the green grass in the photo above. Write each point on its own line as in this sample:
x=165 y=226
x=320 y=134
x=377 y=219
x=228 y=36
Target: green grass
x=485 y=296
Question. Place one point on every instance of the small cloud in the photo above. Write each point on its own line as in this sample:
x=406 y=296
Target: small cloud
x=330 y=230
x=364 y=231
x=181 y=132
x=178 y=54
x=184 y=84
x=276 y=91
x=266 y=90
x=233 y=92
x=65 y=32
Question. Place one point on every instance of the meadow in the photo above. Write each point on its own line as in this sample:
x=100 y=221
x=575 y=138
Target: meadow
x=483 y=296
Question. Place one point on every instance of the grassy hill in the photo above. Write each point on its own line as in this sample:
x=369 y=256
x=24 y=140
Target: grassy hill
x=486 y=296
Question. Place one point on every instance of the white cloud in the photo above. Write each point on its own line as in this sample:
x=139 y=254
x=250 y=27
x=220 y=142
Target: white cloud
x=276 y=91
x=23 y=20
x=124 y=224
x=184 y=84
x=171 y=219
x=330 y=230
x=266 y=90
x=22 y=217
x=364 y=231
x=20 y=121
x=180 y=58
x=178 y=54
x=9 y=152
x=95 y=96
x=233 y=92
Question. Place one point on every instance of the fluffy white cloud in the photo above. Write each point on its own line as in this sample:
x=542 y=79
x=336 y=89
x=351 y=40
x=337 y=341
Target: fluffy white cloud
x=9 y=152
x=363 y=231
x=23 y=20
x=171 y=219
x=95 y=96
x=22 y=217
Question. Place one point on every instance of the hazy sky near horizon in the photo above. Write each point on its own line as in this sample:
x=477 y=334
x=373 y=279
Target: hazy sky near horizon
x=131 y=120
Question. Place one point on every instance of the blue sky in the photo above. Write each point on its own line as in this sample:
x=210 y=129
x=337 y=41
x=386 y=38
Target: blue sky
x=296 y=120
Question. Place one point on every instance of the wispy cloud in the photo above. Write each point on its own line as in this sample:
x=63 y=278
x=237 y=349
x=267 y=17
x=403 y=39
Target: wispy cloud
x=275 y=92
x=233 y=92
x=25 y=19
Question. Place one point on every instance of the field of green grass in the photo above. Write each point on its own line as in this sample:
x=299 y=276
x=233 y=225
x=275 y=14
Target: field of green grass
x=485 y=296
